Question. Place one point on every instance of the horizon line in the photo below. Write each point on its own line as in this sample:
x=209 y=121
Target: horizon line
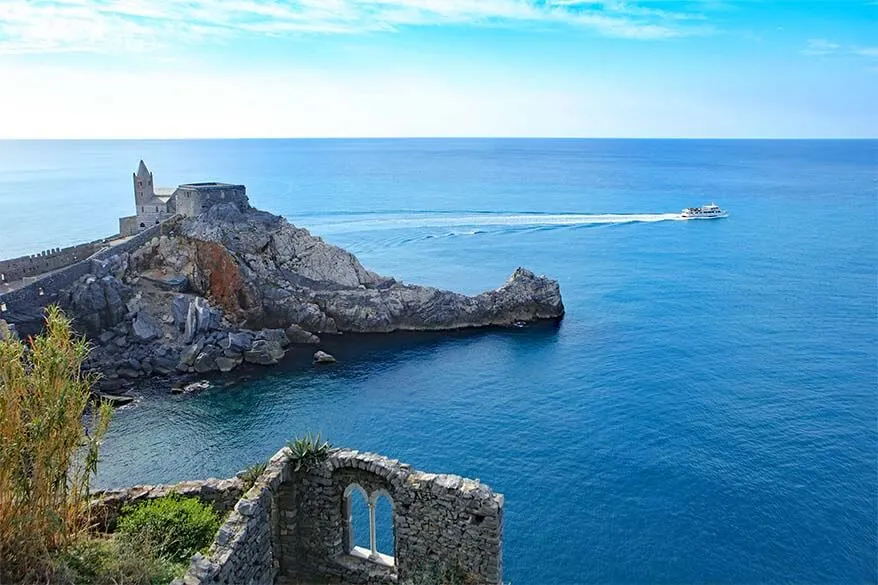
x=463 y=137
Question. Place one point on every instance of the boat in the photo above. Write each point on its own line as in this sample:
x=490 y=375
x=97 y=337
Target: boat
x=709 y=211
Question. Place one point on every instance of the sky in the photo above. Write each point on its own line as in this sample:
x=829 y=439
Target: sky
x=433 y=68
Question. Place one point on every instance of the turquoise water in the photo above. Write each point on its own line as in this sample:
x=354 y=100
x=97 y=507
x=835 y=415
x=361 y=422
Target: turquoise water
x=706 y=412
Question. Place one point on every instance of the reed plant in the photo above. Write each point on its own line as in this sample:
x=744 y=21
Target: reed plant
x=48 y=447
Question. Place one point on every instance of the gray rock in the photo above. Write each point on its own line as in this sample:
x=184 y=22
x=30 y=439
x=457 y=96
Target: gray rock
x=200 y=318
x=264 y=353
x=96 y=304
x=275 y=337
x=321 y=357
x=180 y=310
x=188 y=355
x=299 y=336
x=164 y=365
x=106 y=337
x=206 y=362
x=145 y=328
x=238 y=341
x=7 y=331
x=227 y=364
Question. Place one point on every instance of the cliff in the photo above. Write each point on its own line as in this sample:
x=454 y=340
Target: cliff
x=232 y=286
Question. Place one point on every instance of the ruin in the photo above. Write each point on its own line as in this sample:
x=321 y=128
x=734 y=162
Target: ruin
x=295 y=525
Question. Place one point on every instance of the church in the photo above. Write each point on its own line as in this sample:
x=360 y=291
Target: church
x=154 y=204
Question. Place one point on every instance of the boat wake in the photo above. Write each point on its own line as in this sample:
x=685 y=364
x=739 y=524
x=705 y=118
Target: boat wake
x=471 y=223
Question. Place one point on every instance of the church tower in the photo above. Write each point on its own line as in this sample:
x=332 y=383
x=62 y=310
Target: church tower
x=144 y=191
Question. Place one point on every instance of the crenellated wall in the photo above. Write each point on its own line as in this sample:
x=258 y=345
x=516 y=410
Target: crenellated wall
x=46 y=261
x=24 y=306
x=294 y=526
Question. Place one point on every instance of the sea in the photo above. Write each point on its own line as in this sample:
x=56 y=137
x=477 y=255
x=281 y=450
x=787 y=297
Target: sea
x=706 y=412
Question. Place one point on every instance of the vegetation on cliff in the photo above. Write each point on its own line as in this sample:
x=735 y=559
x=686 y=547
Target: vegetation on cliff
x=48 y=456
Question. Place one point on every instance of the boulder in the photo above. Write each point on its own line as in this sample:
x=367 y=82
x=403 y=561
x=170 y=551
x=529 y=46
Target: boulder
x=145 y=328
x=180 y=310
x=96 y=305
x=299 y=336
x=264 y=353
x=206 y=361
x=227 y=364
x=275 y=337
x=238 y=341
x=321 y=357
x=188 y=355
x=200 y=318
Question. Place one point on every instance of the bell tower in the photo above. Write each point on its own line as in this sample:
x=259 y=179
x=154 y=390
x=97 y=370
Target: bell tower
x=144 y=191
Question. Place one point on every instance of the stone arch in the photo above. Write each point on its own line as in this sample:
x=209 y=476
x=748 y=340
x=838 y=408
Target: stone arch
x=383 y=523
x=349 y=537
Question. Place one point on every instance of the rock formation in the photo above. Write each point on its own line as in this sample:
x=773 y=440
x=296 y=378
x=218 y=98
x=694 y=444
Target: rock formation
x=253 y=285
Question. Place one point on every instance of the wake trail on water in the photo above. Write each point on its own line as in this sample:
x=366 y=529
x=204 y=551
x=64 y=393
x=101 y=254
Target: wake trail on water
x=372 y=221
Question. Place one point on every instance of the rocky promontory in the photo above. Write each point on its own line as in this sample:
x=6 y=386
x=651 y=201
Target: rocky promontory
x=233 y=286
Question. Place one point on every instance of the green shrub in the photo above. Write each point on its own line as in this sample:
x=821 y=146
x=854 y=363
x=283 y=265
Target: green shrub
x=175 y=528
x=112 y=561
x=308 y=451
x=47 y=455
x=441 y=574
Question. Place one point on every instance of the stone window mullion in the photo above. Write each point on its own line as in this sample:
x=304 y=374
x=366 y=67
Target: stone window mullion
x=373 y=539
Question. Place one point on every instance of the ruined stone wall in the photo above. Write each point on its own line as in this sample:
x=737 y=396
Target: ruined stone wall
x=221 y=494
x=294 y=525
x=440 y=522
x=244 y=551
x=46 y=261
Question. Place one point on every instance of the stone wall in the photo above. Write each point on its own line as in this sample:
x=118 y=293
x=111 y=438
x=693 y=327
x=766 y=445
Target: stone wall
x=24 y=306
x=192 y=200
x=46 y=261
x=221 y=494
x=295 y=525
x=244 y=551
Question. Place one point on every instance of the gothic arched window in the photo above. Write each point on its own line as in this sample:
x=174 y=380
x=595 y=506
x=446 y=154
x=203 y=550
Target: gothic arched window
x=379 y=499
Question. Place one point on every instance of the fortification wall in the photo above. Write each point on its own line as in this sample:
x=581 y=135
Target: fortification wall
x=191 y=201
x=297 y=525
x=24 y=306
x=46 y=261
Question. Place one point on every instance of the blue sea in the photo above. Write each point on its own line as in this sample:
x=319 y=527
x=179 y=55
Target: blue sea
x=707 y=411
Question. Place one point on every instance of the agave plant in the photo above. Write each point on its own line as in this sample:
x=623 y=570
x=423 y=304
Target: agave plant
x=308 y=450
x=252 y=473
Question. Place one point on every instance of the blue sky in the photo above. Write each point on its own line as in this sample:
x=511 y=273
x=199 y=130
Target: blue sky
x=349 y=68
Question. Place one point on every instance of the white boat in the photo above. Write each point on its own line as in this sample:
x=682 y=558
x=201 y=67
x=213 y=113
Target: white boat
x=709 y=211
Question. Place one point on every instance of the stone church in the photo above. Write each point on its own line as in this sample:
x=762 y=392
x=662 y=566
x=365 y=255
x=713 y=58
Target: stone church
x=154 y=204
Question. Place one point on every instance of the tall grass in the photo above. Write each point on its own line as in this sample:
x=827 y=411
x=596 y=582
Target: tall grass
x=47 y=457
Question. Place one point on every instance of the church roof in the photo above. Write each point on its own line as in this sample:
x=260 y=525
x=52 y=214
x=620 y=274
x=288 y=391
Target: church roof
x=142 y=171
x=164 y=191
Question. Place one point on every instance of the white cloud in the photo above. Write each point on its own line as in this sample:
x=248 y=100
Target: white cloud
x=821 y=47
x=824 y=48
x=30 y=26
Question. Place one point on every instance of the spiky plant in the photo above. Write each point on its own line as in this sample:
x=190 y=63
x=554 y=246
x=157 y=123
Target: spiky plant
x=308 y=451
